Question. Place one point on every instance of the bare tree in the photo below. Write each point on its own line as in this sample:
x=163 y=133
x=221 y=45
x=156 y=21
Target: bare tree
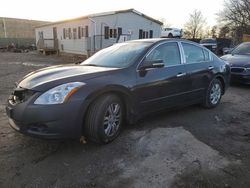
x=165 y=23
x=207 y=32
x=224 y=31
x=236 y=12
x=214 y=31
x=194 y=26
x=236 y=18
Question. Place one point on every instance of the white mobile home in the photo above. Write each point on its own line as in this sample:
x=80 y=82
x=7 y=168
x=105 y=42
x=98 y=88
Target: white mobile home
x=88 y=34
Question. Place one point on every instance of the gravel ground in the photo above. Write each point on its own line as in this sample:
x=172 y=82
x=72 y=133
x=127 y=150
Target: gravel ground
x=189 y=147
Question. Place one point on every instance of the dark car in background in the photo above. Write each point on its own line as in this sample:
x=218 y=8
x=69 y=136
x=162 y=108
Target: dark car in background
x=217 y=45
x=119 y=84
x=210 y=44
x=239 y=61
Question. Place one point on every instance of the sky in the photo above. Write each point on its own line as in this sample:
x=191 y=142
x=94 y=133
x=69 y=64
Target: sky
x=174 y=12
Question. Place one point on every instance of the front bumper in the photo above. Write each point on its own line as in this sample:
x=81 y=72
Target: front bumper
x=48 y=130
x=47 y=121
x=240 y=78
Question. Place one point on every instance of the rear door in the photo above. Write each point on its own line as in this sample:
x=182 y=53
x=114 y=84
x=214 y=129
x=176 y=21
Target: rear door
x=199 y=67
x=160 y=88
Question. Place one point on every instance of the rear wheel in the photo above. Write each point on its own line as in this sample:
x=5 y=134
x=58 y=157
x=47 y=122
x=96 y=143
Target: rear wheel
x=213 y=94
x=104 y=119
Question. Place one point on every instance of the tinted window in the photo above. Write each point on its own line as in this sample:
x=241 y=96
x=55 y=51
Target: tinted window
x=193 y=54
x=168 y=52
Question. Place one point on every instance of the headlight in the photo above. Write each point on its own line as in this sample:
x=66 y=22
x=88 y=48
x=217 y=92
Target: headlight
x=59 y=94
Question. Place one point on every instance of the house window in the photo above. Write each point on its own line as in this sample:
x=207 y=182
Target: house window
x=111 y=33
x=82 y=32
x=151 y=34
x=69 y=33
x=79 y=33
x=64 y=33
x=106 y=32
x=140 y=33
x=145 y=34
x=115 y=33
x=86 y=31
x=74 y=33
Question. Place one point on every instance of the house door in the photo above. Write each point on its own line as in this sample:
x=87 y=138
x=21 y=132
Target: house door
x=55 y=38
x=55 y=32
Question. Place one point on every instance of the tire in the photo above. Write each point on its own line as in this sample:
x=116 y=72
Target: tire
x=170 y=35
x=213 y=94
x=104 y=119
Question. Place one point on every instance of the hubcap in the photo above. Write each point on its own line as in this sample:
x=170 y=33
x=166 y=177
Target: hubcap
x=112 y=119
x=215 y=94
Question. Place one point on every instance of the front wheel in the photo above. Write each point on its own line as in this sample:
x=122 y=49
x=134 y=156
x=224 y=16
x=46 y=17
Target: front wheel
x=213 y=94
x=104 y=119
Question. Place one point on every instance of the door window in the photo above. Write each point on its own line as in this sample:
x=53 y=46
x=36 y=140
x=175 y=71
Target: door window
x=193 y=54
x=168 y=52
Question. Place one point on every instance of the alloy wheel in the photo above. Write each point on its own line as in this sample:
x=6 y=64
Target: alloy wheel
x=112 y=119
x=215 y=93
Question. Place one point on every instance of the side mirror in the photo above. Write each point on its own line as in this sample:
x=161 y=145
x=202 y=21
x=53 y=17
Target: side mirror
x=149 y=64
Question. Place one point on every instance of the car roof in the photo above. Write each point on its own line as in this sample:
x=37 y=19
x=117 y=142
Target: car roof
x=155 y=40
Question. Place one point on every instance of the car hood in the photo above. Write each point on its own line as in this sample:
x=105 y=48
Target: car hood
x=49 y=77
x=237 y=60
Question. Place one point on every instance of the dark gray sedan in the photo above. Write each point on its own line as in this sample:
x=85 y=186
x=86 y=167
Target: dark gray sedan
x=118 y=84
x=239 y=61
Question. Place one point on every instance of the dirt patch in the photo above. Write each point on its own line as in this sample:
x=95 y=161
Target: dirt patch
x=163 y=153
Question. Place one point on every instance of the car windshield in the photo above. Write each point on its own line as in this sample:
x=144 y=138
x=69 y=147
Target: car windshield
x=207 y=41
x=242 y=49
x=119 y=55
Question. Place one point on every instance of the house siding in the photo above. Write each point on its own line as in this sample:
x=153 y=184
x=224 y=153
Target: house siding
x=130 y=23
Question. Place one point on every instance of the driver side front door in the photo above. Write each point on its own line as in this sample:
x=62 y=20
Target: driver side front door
x=165 y=87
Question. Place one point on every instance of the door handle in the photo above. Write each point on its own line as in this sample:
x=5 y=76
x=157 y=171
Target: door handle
x=181 y=74
x=210 y=68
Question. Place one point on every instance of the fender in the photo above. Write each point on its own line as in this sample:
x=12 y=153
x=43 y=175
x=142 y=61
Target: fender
x=124 y=93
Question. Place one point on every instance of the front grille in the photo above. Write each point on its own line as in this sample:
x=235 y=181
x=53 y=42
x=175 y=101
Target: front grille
x=237 y=69
x=20 y=95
